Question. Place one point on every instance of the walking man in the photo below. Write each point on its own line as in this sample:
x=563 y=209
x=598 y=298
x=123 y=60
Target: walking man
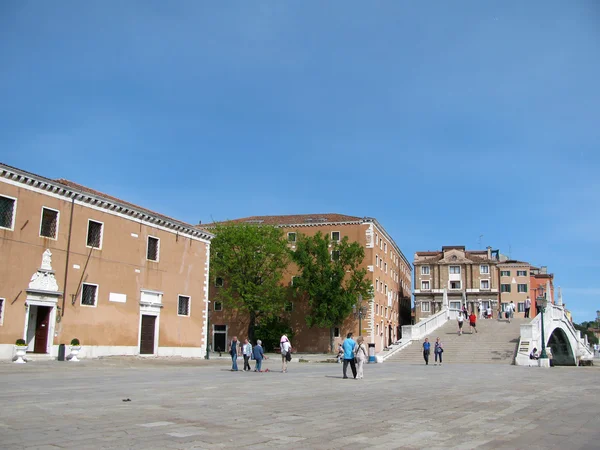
x=233 y=352
x=527 y=307
x=511 y=313
x=472 y=322
x=426 y=350
x=349 y=345
x=247 y=352
x=259 y=355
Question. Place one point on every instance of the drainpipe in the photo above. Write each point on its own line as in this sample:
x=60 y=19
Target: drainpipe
x=62 y=311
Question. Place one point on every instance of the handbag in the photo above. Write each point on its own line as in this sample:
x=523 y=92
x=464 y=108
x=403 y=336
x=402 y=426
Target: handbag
x=288 y=356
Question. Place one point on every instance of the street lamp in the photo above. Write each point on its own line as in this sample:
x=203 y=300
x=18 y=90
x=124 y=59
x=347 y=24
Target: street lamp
x=541 y=303
x=360 y=312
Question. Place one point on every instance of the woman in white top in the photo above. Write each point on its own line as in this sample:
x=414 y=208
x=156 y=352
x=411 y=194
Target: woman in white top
x=460 y=319
x=361 y=356
x=286 y=346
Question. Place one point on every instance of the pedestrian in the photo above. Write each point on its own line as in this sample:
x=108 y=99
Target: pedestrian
x=480 y=309
x=286 y=352
x=472 y=322
x=247 y=352
x=233 y=352
x=361 y=356
x=426 y=350
x=348 y=346
x=259 y=355
x=511 y=313
x=438 y=350
x=460 y=321
x=465 y=311
x=489 y=311
x=527 y=307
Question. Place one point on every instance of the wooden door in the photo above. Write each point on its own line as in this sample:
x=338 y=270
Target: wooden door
x=41 y=329
x=147 y=335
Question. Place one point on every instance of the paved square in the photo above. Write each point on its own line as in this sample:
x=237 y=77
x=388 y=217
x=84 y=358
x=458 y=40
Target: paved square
x=184 y=404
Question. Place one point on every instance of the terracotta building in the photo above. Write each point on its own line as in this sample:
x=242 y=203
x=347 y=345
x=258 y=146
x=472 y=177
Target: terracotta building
x=538 y=285
x=515 y=286
x=81 y=264
x=466 y=277
x=387 y=269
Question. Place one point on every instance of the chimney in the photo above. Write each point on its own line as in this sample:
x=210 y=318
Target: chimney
x=544 y=270
x=489 y=252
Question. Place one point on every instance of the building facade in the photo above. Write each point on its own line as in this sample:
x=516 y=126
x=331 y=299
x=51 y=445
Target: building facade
x=515 y=286
x=81 y=264
x=378 y=319
x=455 y=277
x=538 y=284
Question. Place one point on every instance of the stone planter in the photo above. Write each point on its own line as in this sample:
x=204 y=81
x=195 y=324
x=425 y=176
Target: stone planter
x=20 y=352
x=74 y=352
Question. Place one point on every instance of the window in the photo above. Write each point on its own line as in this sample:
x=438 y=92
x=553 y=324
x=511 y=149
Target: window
x=424 y=270
x=385 y=290
x=336 y=332
x=521 y=288
x=291 y=237
x=7 y=212
x=505 y=273
x=385 y=247
x=89 y=294
x=49 y=225
x=454 y=269
x=220 y=328
x=377 y=285
x=505 y=288
x=94 y=234
x=425 y=285
x=288 y=306
x=219 y=282
x=335 y=255
x=484 y=268
x=521 y=273
x=153 y=248
x=425 y=306
x=218 y=306
x=1 y=311
x=455 y=285
x=377 y=309
x=485 y=284
x=335 y=235
x=385 y=267
x=183 y=305
x=376 y=238
x=521 y=307
x=377 y=260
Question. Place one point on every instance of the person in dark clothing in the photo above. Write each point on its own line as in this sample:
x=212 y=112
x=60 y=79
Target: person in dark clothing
x=426 y=351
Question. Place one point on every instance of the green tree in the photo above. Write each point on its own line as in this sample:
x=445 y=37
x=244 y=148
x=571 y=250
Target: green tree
x=331 y=279
x=270 y=329
x=251 y=260
x=584 y=328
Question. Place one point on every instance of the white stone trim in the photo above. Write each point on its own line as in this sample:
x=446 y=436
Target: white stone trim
x=14 y=216
x=95 y=305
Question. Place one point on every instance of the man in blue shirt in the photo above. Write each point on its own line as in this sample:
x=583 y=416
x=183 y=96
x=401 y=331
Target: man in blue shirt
x=426 y=348
x=348 y=346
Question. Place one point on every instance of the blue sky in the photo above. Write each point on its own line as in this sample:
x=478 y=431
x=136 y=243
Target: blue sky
x=445 y=120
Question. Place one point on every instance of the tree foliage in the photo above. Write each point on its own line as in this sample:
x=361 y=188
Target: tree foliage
x=251 y=260
x=330 y=278
x=584 y=328
x=270 y=329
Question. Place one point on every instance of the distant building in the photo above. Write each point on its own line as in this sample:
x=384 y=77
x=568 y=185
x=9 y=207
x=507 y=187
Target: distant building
x=387 y=269
x=77 y=263
x=465 y=276
x=515 y=281
x=538 y=282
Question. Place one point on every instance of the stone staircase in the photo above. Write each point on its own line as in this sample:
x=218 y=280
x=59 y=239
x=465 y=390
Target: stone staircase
x=495 y=343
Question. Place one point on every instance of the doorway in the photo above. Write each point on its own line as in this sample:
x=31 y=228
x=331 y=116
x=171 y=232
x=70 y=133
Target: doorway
x=219 y=338
x=147 y=335
x=38 y=326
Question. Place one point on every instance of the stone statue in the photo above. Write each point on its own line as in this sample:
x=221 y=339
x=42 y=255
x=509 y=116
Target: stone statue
x=47 y=260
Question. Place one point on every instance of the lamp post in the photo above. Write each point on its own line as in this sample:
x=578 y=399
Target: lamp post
x=541 y=303
x=360 y=312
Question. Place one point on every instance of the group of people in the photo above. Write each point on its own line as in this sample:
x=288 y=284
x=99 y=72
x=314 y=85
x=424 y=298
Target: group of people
x=354 y=354
x=464 y=314
x=438 y=350
x=257 y=354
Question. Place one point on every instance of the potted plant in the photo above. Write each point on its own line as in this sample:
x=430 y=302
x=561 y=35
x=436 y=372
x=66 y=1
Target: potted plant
x=20 y=350
x=75 y=348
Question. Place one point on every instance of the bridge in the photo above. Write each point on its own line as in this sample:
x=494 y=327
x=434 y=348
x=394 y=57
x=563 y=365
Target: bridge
x=565 y=344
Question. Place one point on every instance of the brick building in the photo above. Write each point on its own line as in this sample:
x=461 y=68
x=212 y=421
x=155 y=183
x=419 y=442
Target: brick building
x=387 y=269
x=515 y=286
x=81 y=264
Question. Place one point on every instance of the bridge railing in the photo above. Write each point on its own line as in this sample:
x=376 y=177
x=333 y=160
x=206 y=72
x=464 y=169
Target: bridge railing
x=583 y=350
x=424 y=327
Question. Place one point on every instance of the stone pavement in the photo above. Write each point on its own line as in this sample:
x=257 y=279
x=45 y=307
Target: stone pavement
x=182 y=404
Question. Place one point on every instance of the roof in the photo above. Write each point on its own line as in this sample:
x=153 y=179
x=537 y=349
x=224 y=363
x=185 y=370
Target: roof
x=514 y=261
x=78 y=192
x=296 y=219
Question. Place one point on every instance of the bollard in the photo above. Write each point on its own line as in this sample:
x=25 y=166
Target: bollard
x=372 y=358
x=61 y=352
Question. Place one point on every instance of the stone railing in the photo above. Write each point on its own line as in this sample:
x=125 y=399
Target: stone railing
x=424 y=327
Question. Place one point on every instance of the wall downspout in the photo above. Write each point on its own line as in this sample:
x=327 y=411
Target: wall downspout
x=62 y=311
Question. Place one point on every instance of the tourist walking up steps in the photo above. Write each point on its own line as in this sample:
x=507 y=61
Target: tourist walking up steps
x=460 y=321
x=527 y=307
x=361 y=357
x=426 y=350
x=511 y=313
x=473 y=322
x=438 y=350
x=349 y=345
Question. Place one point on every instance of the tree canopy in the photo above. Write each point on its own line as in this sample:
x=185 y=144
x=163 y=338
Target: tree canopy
x=250 y=259
x=330 y=277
